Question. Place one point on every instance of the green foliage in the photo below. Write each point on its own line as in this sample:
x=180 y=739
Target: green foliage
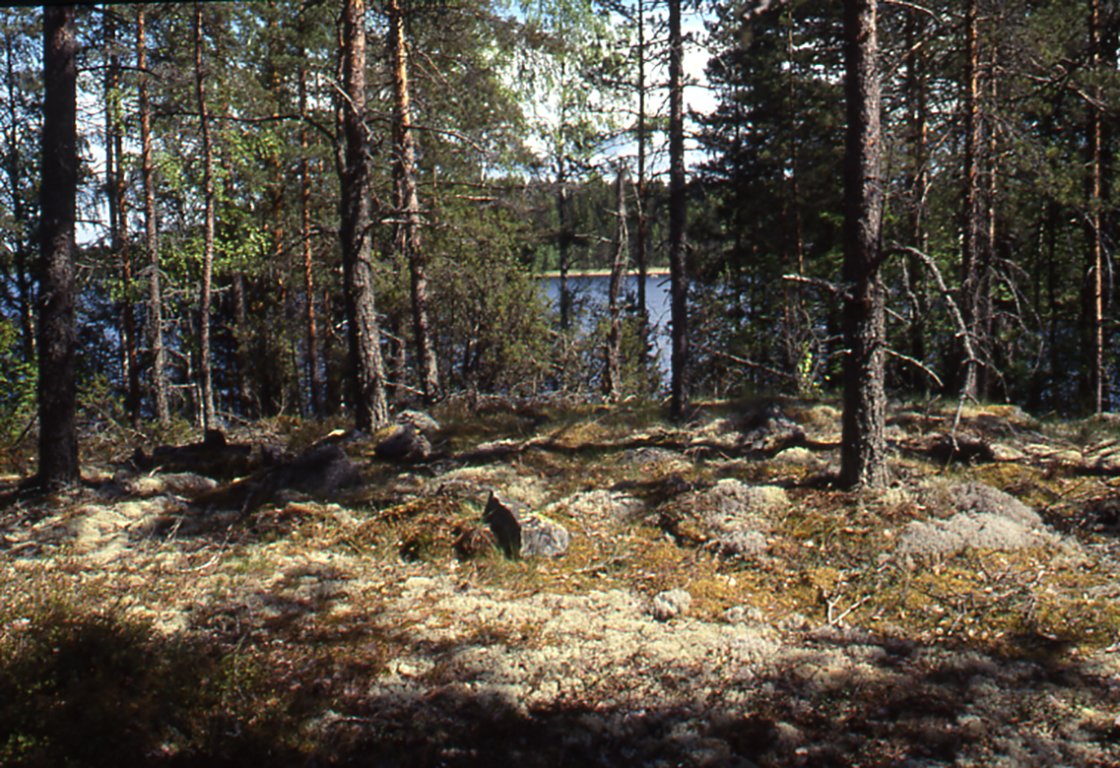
x=18 y=382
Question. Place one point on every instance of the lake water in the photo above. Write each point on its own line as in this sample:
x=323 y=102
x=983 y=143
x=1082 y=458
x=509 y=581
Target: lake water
x=589 y=298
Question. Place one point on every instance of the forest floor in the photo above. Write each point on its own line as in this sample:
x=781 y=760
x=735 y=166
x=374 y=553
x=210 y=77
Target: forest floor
x=721 y=603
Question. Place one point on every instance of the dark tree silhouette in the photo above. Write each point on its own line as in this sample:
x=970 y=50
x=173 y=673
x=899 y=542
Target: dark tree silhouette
x=370 y=406
x=863 y=449
x=58 y=439
x=677 y=277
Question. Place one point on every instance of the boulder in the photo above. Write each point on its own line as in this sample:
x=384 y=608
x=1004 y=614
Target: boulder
x=520 y=533
x=319 y=472
x=986 y=518
x=421 y=421
x=404 y=444
x=980 y=499
x=670 y=604
x=213 y=457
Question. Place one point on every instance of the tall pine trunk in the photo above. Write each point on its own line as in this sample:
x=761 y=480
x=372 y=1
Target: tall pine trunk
x=641 y=247
x=612 y=379
x=677 y=212
x=58 y=437
x=371 y=408
x=917 y=183
x=564 y=240
x=407 y=205
x=118 y=221
x=209 y=420
x=151 y=243
x=971 y=213
x=13 y=166
x=1095 y=262
x=863 y=442
x=312 y=362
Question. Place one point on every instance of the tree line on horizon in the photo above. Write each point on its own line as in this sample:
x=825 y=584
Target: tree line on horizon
x=319 y=207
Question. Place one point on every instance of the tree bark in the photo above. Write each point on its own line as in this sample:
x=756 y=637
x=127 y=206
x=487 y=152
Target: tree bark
x=612 y=378
x=1094 y=267
x=118 y=221
x=971 y=278
x=23 y=278
x=917 y=183
x=406 y=203
x=370 y=406
x=209 y=420
x=565 y=238
x=314 y=367
x=677 y=213
x=641 y=247
x=58 y=437
x=863 y=442
x=151 y=241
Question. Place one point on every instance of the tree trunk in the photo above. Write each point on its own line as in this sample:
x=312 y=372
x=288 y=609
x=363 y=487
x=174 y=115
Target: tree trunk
x=971 y=279
x=677 y=213
x=863 y=443
x=151 y=242
x=209 y=421
x=118 y=221
x=406 y=204
x=1094 y=267
x=641 y=248
x=612 y=378
x=565 y=238
x=917 y=183
x=22 y=255
x=58 y=437
x=370 y=406
x=314 y=366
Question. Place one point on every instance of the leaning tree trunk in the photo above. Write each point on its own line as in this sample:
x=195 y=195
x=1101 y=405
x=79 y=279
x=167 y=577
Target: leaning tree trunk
x=58 y=437
x=151 y=243
x=612 y=379
x=208 y=417
x=407 y=235
x=371 y=408
x=678 y=280
x=863 y=443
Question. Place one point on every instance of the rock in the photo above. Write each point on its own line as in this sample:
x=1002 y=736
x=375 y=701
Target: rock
x=970 y=531
x=743 y=543
x=420 y=421
x=520 y=533
x=649 y=455
x=670 y=604
x=187 y=484
x=738 y=515
x=981 y=499
x=612 y=505
x=963 y=449
x=771 y=430
x=404 y=444
x=541 y=537
x=213 y=457
x=318 y=472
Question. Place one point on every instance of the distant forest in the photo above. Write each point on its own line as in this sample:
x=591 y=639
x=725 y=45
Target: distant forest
x=498 y=142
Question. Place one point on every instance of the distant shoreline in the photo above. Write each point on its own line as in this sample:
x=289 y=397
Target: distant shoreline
x=577 y=273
